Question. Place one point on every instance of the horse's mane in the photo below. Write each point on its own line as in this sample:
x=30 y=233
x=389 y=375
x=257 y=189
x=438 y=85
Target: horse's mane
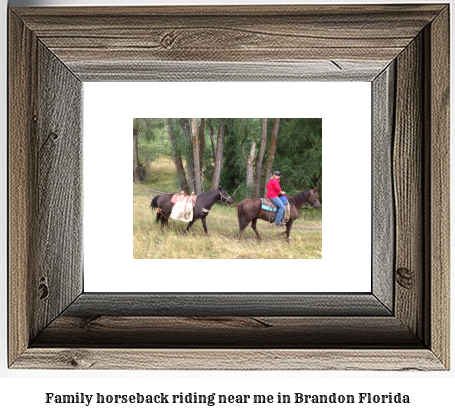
x=299 y=199
x=209 y=192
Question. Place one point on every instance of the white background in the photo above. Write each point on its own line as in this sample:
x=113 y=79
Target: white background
x=23 y=391
x=346 y=124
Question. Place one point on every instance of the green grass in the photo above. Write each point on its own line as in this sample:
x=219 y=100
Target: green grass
x=222 y=223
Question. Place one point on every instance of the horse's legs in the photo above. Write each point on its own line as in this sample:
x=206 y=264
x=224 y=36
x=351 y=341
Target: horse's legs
x=189 y=226
x=204 y=224
x=163 y=222
x=288 y=229
x=253 y=225
x=242 y=229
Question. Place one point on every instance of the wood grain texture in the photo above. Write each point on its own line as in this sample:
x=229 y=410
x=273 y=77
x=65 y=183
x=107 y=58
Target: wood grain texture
x=22 y=94
x=45 y=187
x=256 y=332
x=156 y=71
x=58 y=204
x=229 y=359
x=439 y=187
x=89 y=305
x=407 y=173
x=383 y=215
x=276 y=34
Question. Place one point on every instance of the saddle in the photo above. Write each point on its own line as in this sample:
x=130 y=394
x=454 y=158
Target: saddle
x=269 y=206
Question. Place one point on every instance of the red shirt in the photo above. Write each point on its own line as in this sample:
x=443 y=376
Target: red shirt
x=273 y=188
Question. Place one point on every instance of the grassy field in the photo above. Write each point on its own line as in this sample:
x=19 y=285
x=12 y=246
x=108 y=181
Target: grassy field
x=222 y=223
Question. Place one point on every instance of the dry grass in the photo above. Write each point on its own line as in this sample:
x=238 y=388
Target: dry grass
x=150 y=243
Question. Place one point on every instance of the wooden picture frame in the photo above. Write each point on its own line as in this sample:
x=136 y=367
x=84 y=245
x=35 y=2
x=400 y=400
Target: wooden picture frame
x=403 y=324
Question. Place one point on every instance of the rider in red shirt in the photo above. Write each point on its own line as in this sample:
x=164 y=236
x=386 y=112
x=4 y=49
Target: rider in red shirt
x=273 y=193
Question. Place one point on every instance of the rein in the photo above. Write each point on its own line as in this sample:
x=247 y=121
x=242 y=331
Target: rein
x=200 y=207
x=160 y=211
x=208 y=210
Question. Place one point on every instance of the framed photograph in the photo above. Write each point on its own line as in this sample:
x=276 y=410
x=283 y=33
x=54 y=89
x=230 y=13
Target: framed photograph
x=401 y=322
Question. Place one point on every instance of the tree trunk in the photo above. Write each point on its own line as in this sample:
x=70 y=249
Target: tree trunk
x=268 y=171
x=177 y=159
x=260 y=158
x=136 y=167
x=201 y=142
x=213 y=143
x=197 y=164
x=250 y=172
x=219 y=155
x=189 y=155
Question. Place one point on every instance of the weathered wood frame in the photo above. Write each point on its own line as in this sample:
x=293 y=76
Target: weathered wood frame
x=403 y=50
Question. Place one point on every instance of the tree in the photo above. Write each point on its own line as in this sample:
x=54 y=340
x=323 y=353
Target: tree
x=186 y=135
x=250 y=171
x=196 y=149
x=136 y=166
x=219 y=154
x=261 y=157
x=268 y=171
x=201 y=142
x=212 y=132
x=177 y=159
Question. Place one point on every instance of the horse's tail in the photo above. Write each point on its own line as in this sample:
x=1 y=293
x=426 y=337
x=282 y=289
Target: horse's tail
x=153 y=206
x=241 y=215
x=154 y=203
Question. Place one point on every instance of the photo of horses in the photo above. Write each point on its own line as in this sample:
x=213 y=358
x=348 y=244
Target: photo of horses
x=227 y=188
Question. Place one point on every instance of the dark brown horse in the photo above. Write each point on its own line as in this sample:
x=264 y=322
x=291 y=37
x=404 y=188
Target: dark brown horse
x=250 y=210
x=201 y=209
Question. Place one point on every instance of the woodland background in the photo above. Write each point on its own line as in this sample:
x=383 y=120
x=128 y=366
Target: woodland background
x=238 y=153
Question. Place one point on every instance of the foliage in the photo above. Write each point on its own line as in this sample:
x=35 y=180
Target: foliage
x=240 y=134
x=152 y=141
x=298 y=153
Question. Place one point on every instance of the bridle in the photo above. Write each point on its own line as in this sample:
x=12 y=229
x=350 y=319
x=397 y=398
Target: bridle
x=222 y=201
x=224 y=197
x=313 y=201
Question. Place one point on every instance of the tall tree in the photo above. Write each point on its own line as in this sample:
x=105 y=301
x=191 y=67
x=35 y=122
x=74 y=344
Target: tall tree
x=219 y=154
x=212 y=132
x=196 y=149
x=201 y=142
x=177 y=158
x=250 y=171
x=136 y=167
x=261 y=157
x=186 y=133
x=273 y=140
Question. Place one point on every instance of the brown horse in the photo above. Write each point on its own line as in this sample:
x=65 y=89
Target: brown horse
x=250 y=210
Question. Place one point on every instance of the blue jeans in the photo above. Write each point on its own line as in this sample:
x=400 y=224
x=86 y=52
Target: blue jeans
x=280 y=206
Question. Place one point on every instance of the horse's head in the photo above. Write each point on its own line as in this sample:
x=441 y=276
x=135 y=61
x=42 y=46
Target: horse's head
x=313 y=198
x=225 y=198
